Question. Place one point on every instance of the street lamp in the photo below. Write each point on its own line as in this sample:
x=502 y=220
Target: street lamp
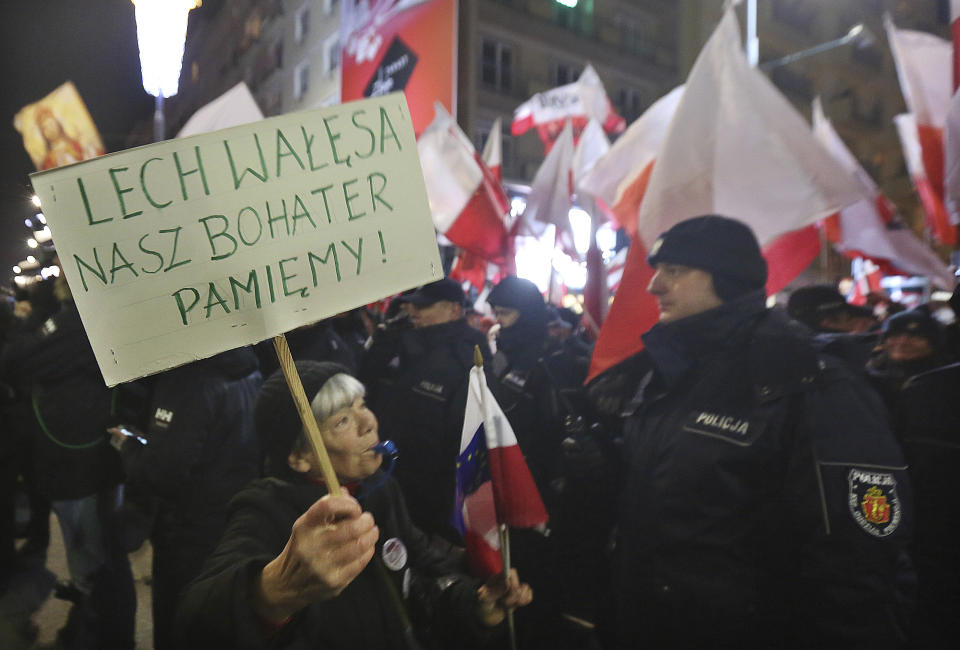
x=858 y=34
x=161 y=32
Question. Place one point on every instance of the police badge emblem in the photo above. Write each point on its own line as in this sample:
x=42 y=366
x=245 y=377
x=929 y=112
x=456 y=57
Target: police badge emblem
x=873 y=501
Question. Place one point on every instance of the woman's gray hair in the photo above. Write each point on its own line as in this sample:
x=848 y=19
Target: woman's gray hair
x=338 y=392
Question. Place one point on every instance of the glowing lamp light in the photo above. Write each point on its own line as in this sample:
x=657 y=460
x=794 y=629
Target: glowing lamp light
x=42 y=219
x=161 y=32
x=567 y=3
x=36 y=200
x=31 y=259
x=28 y=223
x=17 y=269
x=32 y=243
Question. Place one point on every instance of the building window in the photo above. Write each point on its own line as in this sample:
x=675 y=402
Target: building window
x=562 y=74
x=630 y=103
x=301 y=79
x=636 y=36
x=301 y=24
x=331 y=55
x=496 y=65
x=277 y=54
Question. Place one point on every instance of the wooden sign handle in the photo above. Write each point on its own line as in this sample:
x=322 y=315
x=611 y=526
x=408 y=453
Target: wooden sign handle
x=306 y=415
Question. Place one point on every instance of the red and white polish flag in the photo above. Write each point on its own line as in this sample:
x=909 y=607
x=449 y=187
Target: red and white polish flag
x=736 y=147
x=924 y=65
x=494 y=485
x=870 y=227
x=579 y=102
x=466 y=202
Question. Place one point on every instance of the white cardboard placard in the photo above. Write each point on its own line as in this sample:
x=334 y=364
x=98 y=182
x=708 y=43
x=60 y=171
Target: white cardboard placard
x=180 y=250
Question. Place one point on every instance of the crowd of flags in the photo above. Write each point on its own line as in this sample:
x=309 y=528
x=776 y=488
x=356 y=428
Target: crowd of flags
x=726 y=142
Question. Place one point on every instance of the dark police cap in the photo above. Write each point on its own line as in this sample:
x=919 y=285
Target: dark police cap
x=517 y=293
x=724 y=247
x=445 y=289
x=811 y=304
x=916 y=322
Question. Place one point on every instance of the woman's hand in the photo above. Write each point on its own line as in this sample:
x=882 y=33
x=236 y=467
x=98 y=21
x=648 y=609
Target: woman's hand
x=329 y=545
x=499 y=595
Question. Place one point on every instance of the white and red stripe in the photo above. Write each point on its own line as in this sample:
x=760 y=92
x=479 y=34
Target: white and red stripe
x=924 y=65
x=467 y=203
x=870 y=226
x=579 y=102
x=735 y=146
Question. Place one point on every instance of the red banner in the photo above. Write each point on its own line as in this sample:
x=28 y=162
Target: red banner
x=401 y=45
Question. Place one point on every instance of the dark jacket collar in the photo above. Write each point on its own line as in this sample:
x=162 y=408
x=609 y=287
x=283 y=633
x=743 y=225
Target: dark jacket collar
x=677 y=347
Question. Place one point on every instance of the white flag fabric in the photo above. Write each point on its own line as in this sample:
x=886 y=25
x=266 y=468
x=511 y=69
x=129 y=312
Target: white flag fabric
x=620 y=178
x=233 y=108
x=736 y=147
x=924 y=66
x=493 y=151
x=864 y=228
x=593 y=145
x=549 y=198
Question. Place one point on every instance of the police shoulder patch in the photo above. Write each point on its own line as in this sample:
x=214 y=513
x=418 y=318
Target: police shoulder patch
x=873 y=501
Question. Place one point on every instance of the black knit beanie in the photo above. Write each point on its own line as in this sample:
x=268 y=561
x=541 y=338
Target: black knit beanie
x=275 y=415
x=724 y=247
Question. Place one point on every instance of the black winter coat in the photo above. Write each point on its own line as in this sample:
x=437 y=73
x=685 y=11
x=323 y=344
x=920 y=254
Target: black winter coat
x=71 y=405
x=202 y=450
x=417 y=386
x=766 y=503
x=215 y=610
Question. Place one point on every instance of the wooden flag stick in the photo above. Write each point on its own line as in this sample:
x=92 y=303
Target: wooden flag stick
x=502 y=529
x=306 y=415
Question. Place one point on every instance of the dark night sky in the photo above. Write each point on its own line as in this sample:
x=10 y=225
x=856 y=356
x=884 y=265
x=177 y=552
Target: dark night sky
x=47 y=42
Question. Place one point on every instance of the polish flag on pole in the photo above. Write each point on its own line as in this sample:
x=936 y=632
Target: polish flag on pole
x=735 y=147
x=593 y=146
x=467 y=203
x=870 y=227
x=579 y=102
x=924 y=64
x=494 y=485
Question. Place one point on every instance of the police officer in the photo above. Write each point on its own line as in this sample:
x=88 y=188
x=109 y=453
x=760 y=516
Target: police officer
x=417 y=387
x=765 y=501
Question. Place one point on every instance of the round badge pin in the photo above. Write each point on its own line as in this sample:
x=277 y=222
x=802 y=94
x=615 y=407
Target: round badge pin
x=394 y=554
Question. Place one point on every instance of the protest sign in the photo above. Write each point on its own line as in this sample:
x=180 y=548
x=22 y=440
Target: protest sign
x=183 y=249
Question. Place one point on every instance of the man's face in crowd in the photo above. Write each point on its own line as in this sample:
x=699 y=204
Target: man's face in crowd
x=442 y=311
x=906 y=347
x=506 y=316
x=841 y=321
x=682 y=291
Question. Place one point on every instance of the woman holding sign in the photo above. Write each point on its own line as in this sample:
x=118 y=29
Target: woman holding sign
x=297 y=568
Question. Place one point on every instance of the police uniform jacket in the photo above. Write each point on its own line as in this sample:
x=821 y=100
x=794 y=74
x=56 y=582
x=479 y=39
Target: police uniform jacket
x=927 y=421
x=417 y=386
x=766 y=502
x=440 y=601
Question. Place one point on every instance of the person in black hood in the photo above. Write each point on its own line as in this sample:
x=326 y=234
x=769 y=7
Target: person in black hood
x=765 y=502
x=538 y=382
x=417 y=381
x=200 y=451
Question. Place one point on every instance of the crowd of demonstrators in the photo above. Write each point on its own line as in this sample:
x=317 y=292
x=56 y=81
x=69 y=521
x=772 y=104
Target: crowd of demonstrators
x=297 y=570
x=751 y=479
x=417 y=381
x=77 y=471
